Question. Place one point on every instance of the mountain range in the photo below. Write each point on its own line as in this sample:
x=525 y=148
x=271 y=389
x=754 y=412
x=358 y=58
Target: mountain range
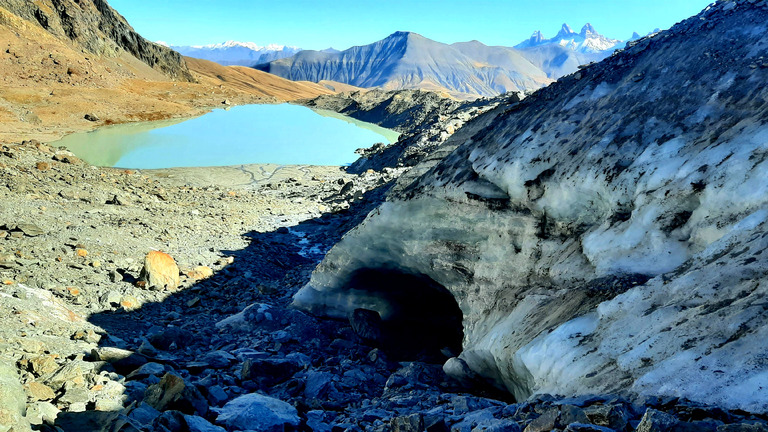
x=407 y=60
x=562 y=54
x=233 y=53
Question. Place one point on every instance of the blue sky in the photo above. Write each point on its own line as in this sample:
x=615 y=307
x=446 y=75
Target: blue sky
x=317 y=24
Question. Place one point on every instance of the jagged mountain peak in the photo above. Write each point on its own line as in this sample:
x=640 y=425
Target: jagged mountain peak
x=536 y=37
x=565 y=31
x=588 y=30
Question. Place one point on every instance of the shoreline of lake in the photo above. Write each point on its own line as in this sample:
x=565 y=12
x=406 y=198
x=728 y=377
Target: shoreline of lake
x=283 y=134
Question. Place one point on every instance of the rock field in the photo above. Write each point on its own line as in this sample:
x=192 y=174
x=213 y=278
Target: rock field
x=86 y=345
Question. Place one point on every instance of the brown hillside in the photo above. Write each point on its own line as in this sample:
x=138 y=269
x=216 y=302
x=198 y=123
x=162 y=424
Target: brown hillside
x=49 y=82
x=252 y=81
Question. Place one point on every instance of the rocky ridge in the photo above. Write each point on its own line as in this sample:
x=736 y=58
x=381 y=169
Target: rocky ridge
x=425 y=120
x=589 y=233
x=99 y=29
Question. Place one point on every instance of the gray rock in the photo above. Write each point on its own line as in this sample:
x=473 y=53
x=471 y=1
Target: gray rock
x=199 y=424
x=270 y=371
x=217 y=395
x=144 y=414
x=258 y=413
x=613 y=416
x=544 y=423
x=173 y=393
x=218 y=359
x=657 y=421
x=756 y=427
x=30 y=229
x=317 y=384
x=497 y=426
x=458 y=369
x=171 y=336
x=316 y=421
x=42 y=412
x=410 y=423
x=92 y=421
x=12 y=399
x=146 y=370
x=123 y=360
x=582 y=427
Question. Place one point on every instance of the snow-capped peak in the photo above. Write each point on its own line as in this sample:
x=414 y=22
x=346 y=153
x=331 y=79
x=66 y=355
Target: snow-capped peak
x=565 y=31
x=536 y=37
x=238 y=53
x=588 y=30
x=248 y=45
x=586 y=41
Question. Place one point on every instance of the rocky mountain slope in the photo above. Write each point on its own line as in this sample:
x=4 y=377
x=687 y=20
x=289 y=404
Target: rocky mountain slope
x=604 y=235
x=251 y=81
x=234 y=53
x=99 y=29
x=407 y=60
x=401 y=110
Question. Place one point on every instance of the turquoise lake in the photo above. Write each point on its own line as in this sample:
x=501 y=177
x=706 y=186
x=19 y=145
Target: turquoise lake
x=280 y=134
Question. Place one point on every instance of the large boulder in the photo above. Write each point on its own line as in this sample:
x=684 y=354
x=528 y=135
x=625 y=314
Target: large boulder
x=13 y=399
x=257 y=413
x=160 y=271
x=604 y=235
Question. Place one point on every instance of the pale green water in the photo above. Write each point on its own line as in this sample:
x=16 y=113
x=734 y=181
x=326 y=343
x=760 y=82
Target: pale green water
x=281 y=134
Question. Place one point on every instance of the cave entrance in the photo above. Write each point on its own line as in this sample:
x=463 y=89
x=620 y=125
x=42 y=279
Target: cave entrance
x=409 y=316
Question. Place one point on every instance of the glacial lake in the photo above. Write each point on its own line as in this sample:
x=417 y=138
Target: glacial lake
x=279 y=134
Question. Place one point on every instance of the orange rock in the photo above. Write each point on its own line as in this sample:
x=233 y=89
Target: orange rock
x=200 y=273
x=160 y=271
x=43 y=166
x=81 y=252
x=7 y=282
x=73 y=291
x=129 y=302
x=39 y=392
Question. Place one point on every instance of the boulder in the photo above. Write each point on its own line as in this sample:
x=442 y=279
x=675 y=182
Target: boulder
x=657 y=421
x=13 y=400
x=257 y=413
x=160 y=271
x=173 y=393
x=199 y=424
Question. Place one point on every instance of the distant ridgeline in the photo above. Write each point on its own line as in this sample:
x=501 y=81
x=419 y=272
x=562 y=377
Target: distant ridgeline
x=465 y=70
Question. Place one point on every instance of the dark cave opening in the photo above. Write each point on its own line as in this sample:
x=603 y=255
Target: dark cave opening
x=409 y=316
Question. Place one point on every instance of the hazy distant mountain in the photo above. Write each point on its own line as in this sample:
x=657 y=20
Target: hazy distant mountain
x=238 y=53
x=406 y=60
x=562 y=54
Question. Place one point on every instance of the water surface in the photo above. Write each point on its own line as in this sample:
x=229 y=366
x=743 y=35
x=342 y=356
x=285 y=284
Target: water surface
x=280 y=134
